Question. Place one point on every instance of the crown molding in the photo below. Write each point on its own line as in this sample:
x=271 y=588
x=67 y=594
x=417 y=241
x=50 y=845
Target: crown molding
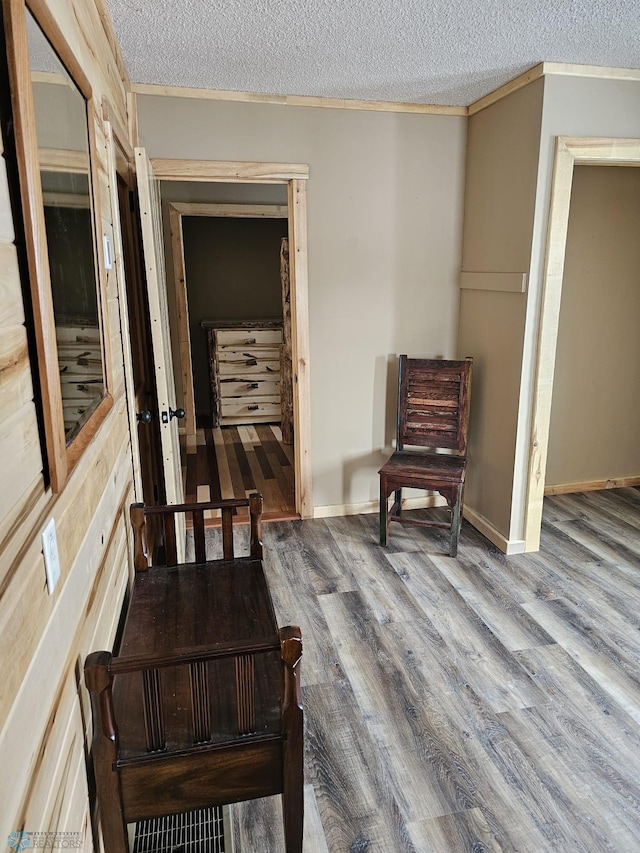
x=544 y=69
x=295 y=100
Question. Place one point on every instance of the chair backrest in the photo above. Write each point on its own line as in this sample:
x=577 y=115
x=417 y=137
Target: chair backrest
x=197 y=513
x=433 y=403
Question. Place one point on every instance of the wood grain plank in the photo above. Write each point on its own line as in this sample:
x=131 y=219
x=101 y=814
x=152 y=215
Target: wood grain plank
x=21 y=453
x=468 y=641
x=237 y=479
x=466 y=830
x=621 y=544
x=509 y=622
x=212 y=460
x=381 y=587
x=11 y=306
x=565 y=760
x=614 y=669
x=224 y=471
x=294 y=604
x=424 y=777
x=7 y=234
x=16 y=387
x=348 y=778
x=313 y=560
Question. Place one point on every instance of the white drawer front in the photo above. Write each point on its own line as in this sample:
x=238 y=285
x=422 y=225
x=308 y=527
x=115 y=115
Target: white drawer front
x=249 y=367
x=247 y=387
x=257 y=352
x=251 y=408
x=247 y=337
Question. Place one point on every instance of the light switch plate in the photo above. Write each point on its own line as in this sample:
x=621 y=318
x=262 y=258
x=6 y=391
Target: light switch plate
x=108 y=252
x=50 y=552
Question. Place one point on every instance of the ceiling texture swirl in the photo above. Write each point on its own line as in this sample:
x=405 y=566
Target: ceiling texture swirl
x=445 y=52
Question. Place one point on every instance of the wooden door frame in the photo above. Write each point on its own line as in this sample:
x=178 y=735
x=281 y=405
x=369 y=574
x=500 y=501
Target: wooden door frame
x=119 y=166
x=294 y=176
x=177 y=210
x=570 y=151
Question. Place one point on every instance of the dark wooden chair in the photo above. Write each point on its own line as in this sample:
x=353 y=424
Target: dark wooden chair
x=202 y=704
x=433 y=412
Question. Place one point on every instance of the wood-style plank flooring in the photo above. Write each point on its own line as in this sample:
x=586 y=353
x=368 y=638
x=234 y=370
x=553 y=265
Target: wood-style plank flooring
x=235 y=461
x=483 y=703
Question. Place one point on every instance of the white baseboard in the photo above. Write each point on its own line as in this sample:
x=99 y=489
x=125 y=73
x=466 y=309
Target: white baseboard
x=373 y=506
x=507 y=546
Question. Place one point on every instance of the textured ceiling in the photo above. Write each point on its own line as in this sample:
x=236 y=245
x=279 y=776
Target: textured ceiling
x=421 y=51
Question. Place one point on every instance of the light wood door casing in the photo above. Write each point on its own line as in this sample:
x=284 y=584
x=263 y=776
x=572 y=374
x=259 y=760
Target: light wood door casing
x=153 y=252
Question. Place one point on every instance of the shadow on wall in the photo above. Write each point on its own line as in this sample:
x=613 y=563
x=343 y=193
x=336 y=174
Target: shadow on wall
x=364 y=467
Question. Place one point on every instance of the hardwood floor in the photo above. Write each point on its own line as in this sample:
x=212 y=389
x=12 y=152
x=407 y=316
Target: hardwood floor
x=483 y=703
x=235 y=461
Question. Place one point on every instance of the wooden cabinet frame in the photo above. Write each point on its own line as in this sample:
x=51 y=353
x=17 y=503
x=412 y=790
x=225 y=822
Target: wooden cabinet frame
x=61 y=456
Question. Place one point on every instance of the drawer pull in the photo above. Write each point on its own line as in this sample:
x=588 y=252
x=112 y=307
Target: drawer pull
x=252 y=385
x=251 y=362
x=250 y=341
x=253 y=408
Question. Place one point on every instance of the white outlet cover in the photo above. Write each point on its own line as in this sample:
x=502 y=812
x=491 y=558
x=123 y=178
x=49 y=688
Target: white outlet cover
x=50 y=553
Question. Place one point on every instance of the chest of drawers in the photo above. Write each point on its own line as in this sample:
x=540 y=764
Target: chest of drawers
x=244 y=363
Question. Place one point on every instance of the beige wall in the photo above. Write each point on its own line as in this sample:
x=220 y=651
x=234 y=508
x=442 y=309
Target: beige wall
x=595 y=417
x=384 y=228
x=44 y=709
x=499 y=205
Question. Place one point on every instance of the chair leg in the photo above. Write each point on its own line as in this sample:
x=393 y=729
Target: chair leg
x=456 y=511
x=384 y=523
x=397 y=501
x=293 y=747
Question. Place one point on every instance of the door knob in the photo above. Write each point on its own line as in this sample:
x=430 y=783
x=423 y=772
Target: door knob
x=173 y=413
x=145 y=417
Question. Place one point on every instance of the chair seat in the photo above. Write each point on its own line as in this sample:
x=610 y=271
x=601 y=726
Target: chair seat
x=439 y=467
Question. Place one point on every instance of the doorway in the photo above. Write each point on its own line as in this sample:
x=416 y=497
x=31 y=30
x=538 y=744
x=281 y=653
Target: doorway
x=570 y=152
x=595 y=412
x=183 y=198
x=230 y=265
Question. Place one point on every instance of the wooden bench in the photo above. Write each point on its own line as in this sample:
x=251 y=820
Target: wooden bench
x=202 y=704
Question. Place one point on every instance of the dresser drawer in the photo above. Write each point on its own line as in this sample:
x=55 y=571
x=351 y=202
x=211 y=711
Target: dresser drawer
x=241 y=366
x=247 y=387
x=247 y=337
x=258 y=352
x=267 y=407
